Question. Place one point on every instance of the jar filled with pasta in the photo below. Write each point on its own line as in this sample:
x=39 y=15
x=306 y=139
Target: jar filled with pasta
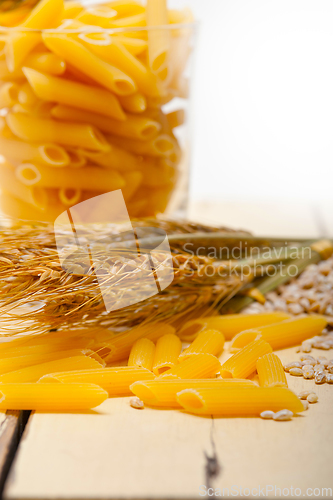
x=94 y=99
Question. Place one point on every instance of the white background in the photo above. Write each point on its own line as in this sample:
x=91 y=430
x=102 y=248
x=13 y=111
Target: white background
x=263 y=100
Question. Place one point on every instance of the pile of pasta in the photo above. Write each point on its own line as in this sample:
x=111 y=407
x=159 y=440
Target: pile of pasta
x=78 y=370
x=83 y=95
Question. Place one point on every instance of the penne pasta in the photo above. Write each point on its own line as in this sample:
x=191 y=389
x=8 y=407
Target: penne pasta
x=115 y=158
x=46 y=62
x=55 y=89
x=33 y=195
x=136 y=20
x=176 y=118
x=288 y=333
x=243 y=364
x=17 y=363
x=164 y=392
x=94 y=178
x=18 y=209
x=167 y=351
x=29 y=128
x=120 y=345
x=135 y=103
x=76 y=158
x=208 y=341
x=9 y=94
x=72 y=9
x=137 y=127
x=134 y=45
x=34 y=373
x=116 y=381
x=157 y=172
x=18 y=46
x=126 y=7
x=142 y=354
x=26 y=96
x=97 y=16
x=197 y=366
x=70 y=196
x=229 y=324
x=88 y=63
x=270 y=371
x=162 y=145
x=111 y=51
x=238 y=401
x=158 y=40
x=51 y=397
x=13 y=17
x=47 y=154
x=133 y=180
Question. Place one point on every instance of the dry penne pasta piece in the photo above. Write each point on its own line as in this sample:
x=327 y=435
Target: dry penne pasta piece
x=116 y=158
x=164 y=392
x=137 y=127
x=135 y=103
x=115 y=53
x=17 y=363
x=76 y=157
x=208 y=341
x=88 y=63
x=18 y=46
x=133 y=180
x=99 y=15
x=120 y=345
x=46 y=62
x=30 y=128
x=69 y=196
x=13 y=17
x=162 y=145
x=38 y=347
x=271 y=372
x=142 y=354
x=18 y=209
x=158 y=40
x=72 y=8
x=51 y=397
x=126 y=7
x=134 y=45
x=167 y=351
x=157 y=172
x=197 y=366
x=35 y=196
x=238 y=401
x=46 y=14
x=137 y=20
x=243 y=364
x=94 y=178
x=9 y=94
x=176 y=118
x=116 y=381
x=26 y=95
x=6 y=75
x=34 y=373
x=229 y=324
x=55 y=89
x=290 y=332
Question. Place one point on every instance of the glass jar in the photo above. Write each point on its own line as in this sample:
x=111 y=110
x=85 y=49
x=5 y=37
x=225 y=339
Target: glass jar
x=94 y=99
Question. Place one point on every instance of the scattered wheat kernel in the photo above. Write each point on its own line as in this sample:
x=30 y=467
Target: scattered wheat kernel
x=322 y=358
x=267 y=414
x=294 y=364
x=305 y=357
x=283 y=415
x=297 y=372
x=312 y=397
x=305 y=404
x=307 y=367
x=298 y=349
x=319 y=368
x=308 y=374
x=309 y=362
x=330 y=368
x=329 y=378
x=137 y=403
x=304 y=394
x=306 y=347
x=320 y=377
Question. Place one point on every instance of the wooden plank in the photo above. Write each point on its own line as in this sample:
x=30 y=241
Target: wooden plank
x=115 y=453
x=269 y=219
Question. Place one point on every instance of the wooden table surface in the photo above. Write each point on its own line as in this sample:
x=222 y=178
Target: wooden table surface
x=118 y=452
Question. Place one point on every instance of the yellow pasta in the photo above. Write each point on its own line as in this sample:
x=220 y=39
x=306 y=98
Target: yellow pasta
x=72 y=8
x=70 y=196
x=134 y=45
x=116 y=381
x=126 y=7
x=26 y=95
x=137 y=20
x=176 y=118
x=115 y=53
x=97 y=16
x=164 y=392
x=137 y=127
x=76 y=158
x=238 y=401
x=243 y=364
x=18 y=47
x=158 y=40
x=9 y=94
x=270 y=371
x=197 y=366
x=208 y=341
x=167 y=351
x=116 y=158
x=285 y=334
x=52 y=88
x=85 y=61
x=47 y=154
x=157 y=172
x=133 y=180
x=42 y=347
x=13 y=17
x=120 y=345
x=94 y=178
x=135 y=103
x=46 y=63
x=142 y=354
x=51 y=397
x=229 y=324
x=19 y=362
x=162 y=145
x=34 y=373
x=33 y=195
x=18 y=209
x=46 y=14
x=29 y=128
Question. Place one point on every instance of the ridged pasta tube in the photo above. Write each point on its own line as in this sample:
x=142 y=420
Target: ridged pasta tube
x=167 y=351
x=243 y=364
x=33 y=195
x=270 y=371
x=208 y=341
x=142 y=354
x=197 y=366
